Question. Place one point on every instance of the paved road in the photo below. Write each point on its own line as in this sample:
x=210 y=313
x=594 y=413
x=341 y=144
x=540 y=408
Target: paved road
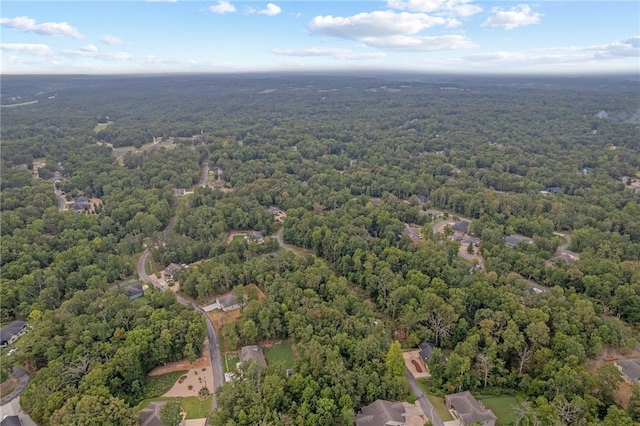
x=425 y=404
x=23 y=379
x=282 y=244
x=62 y=202
x=214 y=345
x=13 y=409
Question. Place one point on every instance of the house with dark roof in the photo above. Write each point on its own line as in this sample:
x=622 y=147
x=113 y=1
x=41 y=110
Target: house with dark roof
x=630 y=369
x=81 y=203
x=228 y=302
x=10 y=333
x=150 y=416
x=252 y=354
x=172 y=268
x=11 y=421
x=514 y=240
x=552 y=189
x=461 y=226
x=381 y=413
x=468 y=410
x=425 y=351
x=134 y=291
x=421 y=199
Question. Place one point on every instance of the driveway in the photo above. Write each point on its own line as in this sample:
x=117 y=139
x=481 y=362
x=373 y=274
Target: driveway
x=425 y=404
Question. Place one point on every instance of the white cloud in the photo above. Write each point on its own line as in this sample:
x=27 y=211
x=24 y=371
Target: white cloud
x=109 y=39
x=516 y=16
x=422 y=44
x=89 y=48
x=223 y=6
x=619 y=50
x=336 y=53
x=374 y=24
x=91 y=51
x=26 y=24
x=271 y=10
x=460 y=8
x=30 y=48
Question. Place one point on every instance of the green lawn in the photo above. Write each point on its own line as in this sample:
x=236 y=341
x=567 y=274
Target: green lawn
x=281 y=352
x=101 y=126
x=441 y=408
x=229 y=364
x=194 y=407
x=238 y=238
x=502 y=406
x=140 y=301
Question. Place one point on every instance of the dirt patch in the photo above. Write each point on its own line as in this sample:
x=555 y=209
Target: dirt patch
x=203 y=362
x=219 y=318
x=191 y=383
x=415 y=364
x=8 y=386
x=624 y=391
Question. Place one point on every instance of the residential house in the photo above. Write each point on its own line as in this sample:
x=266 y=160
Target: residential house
x=150 y=416
x=81 y=203
x=134 y=291
x=11 y=421
x=171 y=269
x=468 y=410
x=10 y=333
x=461 y=226
x=255 y=236
x=179 y=192
x=434 y=214
x=421 y=199
x=552 y=189
x=218 y=183
x=381 y=413
x=426 y=348
x=630 y=368
x=228 y=302
x=515 y=240
x=252 y=354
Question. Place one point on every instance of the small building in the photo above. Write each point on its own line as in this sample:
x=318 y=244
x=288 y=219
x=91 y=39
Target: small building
x=10 y=333
x=179 y=192
x=552 y=190
x=630 y=369
x=461 y=226
x=468 y=410
x=421 y=199
x=134 y=291
x=218 y=183
x=376 y=201
x=252 y=354
x=228 y=302
x=274 y=210
x=515 y=240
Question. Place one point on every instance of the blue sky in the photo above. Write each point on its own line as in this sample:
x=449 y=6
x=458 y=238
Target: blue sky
x=232 y=36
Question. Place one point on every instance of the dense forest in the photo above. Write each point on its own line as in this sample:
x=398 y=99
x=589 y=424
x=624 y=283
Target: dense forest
x=354 y=162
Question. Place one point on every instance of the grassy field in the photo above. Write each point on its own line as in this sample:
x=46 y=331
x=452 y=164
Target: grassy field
x=194 y=407
x=441 y=408
x=282 y=352
x=238 y=237
x=101 y=126
x=229 y=363
x=159 y=385
x=502 y=406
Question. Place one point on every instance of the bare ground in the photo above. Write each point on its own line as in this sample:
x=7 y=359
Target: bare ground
x=414 y=356
x=623 y=394
x=8 y=386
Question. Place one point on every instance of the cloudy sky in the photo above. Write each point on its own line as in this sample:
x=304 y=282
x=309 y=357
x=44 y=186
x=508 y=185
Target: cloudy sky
x=233 y=36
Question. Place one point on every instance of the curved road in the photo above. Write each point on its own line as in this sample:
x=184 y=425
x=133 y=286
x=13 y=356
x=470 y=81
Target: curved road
x=282 y=244
x=214 y=345
x=23 y=379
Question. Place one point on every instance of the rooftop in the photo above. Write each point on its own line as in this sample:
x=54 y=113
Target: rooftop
x=468 y=408
x=252 y=353
x=630 y=367
x=381 y=413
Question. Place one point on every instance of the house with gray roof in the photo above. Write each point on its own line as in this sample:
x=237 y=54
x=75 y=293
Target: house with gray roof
x=252 y=354
x=10 y=333
x=514 y=240
x=381 y=413
x=461 y=226
x=468 y=410
x=11 y=421
x=228 y=302
x=630 y=369
x=134 y=291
